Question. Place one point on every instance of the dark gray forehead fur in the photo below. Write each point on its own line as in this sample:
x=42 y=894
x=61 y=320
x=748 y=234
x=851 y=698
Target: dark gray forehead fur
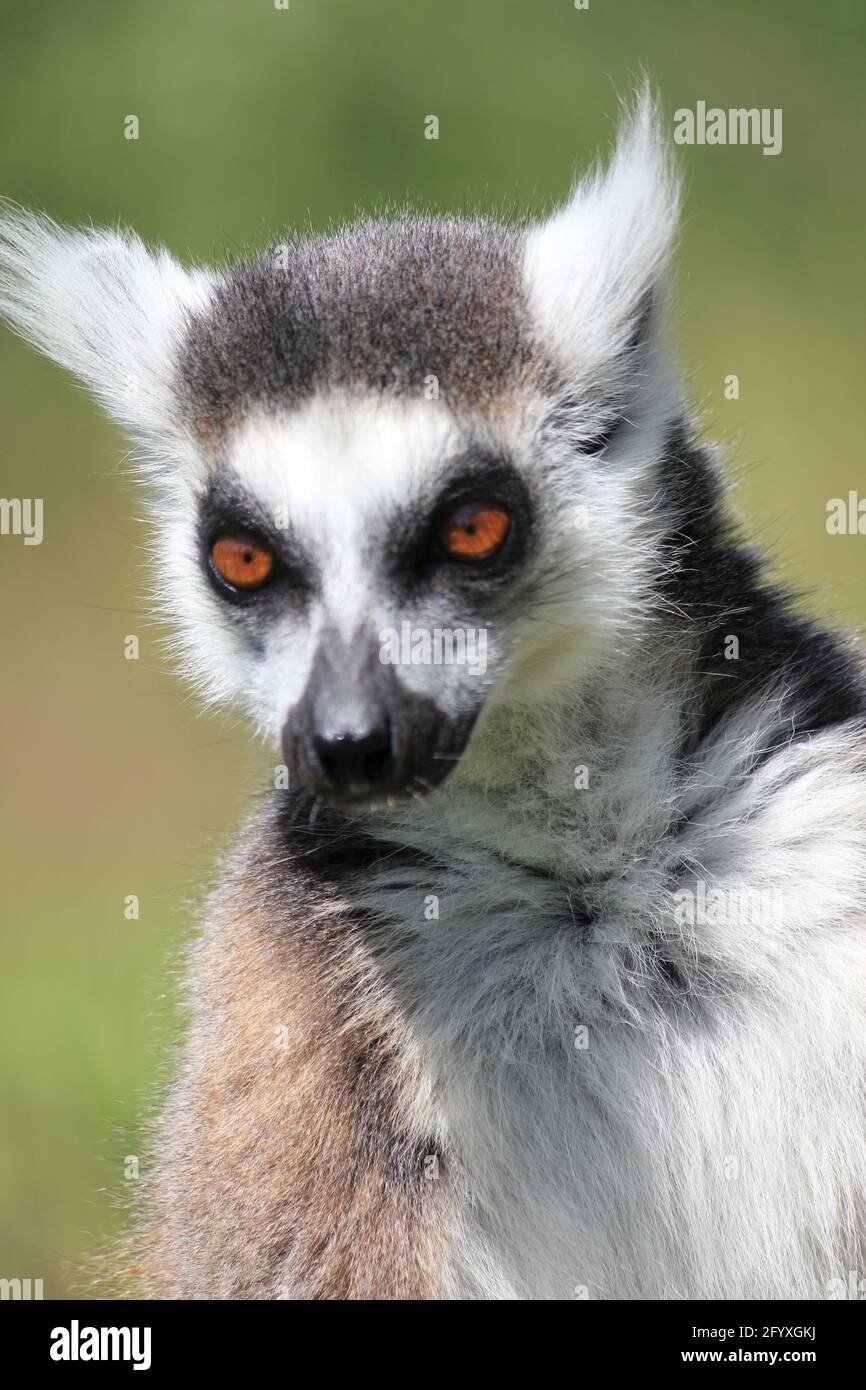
x=381 y=304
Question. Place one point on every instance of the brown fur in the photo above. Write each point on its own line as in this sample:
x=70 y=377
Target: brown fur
x=289 y=1166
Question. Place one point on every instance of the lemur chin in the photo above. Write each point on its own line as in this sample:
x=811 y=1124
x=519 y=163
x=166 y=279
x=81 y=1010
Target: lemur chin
x=534 y=975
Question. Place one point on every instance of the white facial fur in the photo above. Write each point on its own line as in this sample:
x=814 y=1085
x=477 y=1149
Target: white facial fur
x=338 y=469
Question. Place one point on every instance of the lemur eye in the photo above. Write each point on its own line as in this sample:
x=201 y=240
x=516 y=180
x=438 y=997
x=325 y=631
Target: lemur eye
x=474 y=531
x=242 y=561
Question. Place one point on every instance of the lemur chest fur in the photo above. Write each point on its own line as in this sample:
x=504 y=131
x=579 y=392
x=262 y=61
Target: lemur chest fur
x=613 y=1113
x=555 y=1087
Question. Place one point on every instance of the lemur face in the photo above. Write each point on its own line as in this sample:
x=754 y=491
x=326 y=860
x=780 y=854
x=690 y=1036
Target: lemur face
x=404 y=473
x=360 y=558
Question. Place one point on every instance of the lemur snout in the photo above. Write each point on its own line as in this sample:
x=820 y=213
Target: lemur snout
x=356 y=734
x=343 y=748
x=354 y=763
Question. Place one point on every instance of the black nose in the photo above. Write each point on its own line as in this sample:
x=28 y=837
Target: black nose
x=357 y=737
x=353 y=763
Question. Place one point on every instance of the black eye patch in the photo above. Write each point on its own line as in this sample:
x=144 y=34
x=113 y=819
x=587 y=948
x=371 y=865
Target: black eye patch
x=414 y=553
x=226 y=510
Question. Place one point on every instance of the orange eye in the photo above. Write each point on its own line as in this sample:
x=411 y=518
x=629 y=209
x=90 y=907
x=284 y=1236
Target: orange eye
x=474 y=531
x=241 y=561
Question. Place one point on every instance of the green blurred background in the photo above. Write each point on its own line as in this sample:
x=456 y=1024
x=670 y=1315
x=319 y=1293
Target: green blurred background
x=250 y=118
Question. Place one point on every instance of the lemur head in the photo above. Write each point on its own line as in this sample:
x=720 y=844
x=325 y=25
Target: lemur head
x=404 y=473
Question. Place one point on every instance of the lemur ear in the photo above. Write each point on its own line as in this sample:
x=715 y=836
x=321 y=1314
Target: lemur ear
x=594 y=271
x=104 y=307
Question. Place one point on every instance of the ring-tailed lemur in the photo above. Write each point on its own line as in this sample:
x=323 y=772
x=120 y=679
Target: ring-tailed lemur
x=546 y=972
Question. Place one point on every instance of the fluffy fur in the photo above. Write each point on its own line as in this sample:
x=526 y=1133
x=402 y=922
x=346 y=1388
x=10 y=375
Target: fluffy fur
x=467 y=1045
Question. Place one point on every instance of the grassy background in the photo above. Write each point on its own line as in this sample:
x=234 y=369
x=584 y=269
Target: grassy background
x=253 y=117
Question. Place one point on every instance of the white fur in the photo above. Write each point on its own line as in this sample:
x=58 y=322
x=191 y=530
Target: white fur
x=710 y=1150
x=589 y=267
x=104 y=307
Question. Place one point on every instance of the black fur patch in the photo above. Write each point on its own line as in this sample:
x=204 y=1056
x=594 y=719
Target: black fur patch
x=384 y=305
x=718 y=583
